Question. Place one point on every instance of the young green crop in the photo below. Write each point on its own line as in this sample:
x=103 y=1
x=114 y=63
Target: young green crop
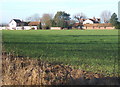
x=91 y=50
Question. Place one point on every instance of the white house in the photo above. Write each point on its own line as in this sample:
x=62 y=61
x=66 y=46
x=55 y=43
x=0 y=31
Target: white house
x=17 y=24
x=14 y=23
x=88 y=22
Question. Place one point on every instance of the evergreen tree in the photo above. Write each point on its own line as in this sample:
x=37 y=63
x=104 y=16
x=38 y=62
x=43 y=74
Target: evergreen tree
x=61 y=19
x=114 y=19
x=39 y=26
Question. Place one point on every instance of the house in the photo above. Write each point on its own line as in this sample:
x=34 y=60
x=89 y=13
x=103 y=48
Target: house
x=34 y=25
x=17 y=24
x=99 y=26
x=87 y=21
x=91 y=21
x=14 y=23
x=94 y=24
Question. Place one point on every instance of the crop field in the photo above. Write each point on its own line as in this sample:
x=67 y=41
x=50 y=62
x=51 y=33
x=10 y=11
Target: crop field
x=89 y=50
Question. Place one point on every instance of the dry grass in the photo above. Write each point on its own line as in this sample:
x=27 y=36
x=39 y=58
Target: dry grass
x=26 y=71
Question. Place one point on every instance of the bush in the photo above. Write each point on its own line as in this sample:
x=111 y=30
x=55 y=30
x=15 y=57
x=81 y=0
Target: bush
x=45 y=27
x=117 y=26
x=39 y=26
x=32 y=28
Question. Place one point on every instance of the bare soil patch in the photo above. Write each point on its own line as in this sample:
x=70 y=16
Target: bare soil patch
x=27 y=71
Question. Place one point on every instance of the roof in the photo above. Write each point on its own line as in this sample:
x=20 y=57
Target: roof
x=88 y=22
x=20 y=23
x=17 y=20
x=24 y=23
x=35 y=23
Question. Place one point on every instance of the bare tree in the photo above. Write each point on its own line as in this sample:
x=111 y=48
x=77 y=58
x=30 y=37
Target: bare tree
x=105 y=16
x=80 y=17
x=34 y=17
x=46 y=19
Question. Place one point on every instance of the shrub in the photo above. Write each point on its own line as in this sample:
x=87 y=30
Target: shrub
x=32 y=28
x=117 y=26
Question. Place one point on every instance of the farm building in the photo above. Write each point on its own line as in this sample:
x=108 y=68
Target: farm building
x=87 y=21
x=91 y=21
x=34 y=24
x=99 y=26
x=14 y=23
x=94 y=24
x=17 y=24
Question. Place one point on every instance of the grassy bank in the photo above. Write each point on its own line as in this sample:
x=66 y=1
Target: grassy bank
x=90 y=50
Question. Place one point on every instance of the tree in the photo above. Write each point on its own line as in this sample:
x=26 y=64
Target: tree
x=114 y=21
x=117 y=26
x=105 y=16
x=39 y=26
x=34 y=17
x=79 y=18
x=71 y=23
x=46 y=20
x=61 y=19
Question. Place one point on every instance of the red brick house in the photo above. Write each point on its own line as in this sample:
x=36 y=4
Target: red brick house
x=99 y=26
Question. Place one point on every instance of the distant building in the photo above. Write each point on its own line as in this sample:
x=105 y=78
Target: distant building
x=88 y=22
x=35 y=23
x=17 y=24
x=119 y=11
x=14 y=23
x=99 y=26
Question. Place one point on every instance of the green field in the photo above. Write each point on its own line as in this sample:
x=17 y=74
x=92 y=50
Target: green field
x=90 y=50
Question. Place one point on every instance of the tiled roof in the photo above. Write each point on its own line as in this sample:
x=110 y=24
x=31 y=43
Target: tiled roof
x=35 y=23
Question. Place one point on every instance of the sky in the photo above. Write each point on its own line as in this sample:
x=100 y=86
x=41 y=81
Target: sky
x=21 y=9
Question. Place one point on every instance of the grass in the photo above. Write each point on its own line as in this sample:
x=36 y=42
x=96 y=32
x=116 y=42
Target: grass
x=90 y=50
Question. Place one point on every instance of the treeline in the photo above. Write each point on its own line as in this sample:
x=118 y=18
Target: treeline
x=63 y=20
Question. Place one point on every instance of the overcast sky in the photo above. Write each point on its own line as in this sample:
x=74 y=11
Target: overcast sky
x=21 y=9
